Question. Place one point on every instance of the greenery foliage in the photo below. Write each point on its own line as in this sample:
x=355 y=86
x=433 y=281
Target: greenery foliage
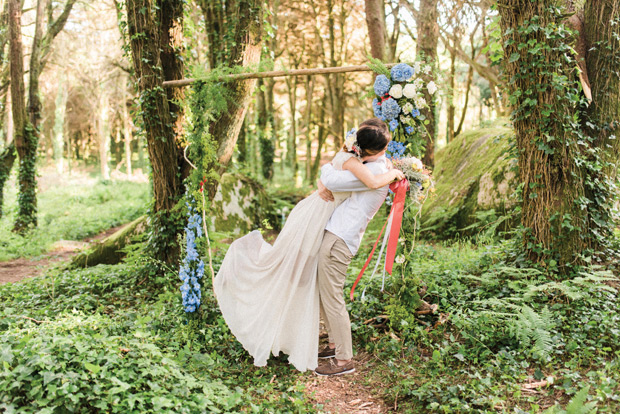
x=80 y=208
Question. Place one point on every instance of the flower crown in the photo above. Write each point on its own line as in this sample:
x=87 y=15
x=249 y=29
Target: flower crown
x=351 y=143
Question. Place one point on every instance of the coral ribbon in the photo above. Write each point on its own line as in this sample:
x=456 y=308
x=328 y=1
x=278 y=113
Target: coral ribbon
x=396 y=214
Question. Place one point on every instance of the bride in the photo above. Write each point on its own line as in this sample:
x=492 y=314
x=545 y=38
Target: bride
x=268 y=294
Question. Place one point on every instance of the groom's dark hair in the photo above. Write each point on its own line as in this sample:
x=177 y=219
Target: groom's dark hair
x=372 y=136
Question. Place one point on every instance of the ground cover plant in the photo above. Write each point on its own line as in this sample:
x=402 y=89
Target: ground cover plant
x=77 y=207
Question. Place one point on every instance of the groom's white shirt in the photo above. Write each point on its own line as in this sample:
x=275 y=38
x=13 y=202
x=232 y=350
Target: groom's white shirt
x=350 y=219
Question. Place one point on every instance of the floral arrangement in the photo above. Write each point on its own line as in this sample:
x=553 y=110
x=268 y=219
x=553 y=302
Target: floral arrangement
x=399 y=98
x=420 y=179
x=192 y=267
x=350 y=142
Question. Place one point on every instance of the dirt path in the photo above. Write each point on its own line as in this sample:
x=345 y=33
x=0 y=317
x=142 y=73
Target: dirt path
x=62 y=251
x=345 y=393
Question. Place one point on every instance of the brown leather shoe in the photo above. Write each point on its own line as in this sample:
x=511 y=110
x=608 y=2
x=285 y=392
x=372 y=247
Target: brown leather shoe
x=327 y=352
x=333 y=369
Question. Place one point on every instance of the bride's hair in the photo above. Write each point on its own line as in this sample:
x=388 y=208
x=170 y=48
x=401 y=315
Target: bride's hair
x=372 y=137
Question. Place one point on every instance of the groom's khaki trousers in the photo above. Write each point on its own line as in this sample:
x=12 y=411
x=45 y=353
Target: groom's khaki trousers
x=334 y=258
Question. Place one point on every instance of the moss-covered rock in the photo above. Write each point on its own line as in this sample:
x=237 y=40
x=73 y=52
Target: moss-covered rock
x=241 y=204
x=109 y=250
x=475 y=181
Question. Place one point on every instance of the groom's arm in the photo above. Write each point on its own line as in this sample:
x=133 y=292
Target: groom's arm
x=336 y=180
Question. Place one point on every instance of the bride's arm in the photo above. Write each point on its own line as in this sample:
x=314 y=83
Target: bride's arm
x=368 y=178
x=340 y=181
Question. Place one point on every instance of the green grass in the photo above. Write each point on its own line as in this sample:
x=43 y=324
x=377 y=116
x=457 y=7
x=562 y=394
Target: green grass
x=76 y=208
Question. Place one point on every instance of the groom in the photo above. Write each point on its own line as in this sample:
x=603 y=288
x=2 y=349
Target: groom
x=341 y=240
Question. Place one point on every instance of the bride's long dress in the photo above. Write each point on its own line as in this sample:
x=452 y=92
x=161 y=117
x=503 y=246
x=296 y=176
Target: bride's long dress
x=268 y=294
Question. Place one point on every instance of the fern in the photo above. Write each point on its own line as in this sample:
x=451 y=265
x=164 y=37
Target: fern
x=577 y=405
x=378 y=67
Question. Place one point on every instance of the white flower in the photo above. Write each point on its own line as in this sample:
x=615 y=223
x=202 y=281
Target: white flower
x=432 y=88
x=426 y=69
x=409 y=91
x=351 y=139
x=416 y=67
x=407 y=108
x=396 y=91
x=420 y=102
x=417 y=164
x=401 y=240
x=418 y=83
x=400 y=259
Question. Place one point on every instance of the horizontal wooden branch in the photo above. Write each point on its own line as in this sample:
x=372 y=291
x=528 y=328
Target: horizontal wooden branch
x=276 y=73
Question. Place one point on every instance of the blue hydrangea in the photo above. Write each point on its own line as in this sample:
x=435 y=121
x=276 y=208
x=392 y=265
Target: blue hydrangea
x=382 y=85
x=393 y=125
x=376 y=108
x=415 y=112
x=192 y=267
x=401 y=72
x=409 y=130
x=390 y=109
x=395 y=150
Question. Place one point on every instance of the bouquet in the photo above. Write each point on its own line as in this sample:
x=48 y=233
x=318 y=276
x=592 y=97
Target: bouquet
x=399 y=99
x=420 y=178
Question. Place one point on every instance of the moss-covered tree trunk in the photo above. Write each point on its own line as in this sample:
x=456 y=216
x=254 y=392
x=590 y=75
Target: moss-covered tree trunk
x=264 y=123
x=428 y=34
x=565 y=210
x=155 y=28
x=234 y=36
x=25 y=140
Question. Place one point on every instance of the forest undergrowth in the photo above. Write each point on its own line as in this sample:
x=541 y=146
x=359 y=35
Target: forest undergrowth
x=72 y=207
x=504 y=339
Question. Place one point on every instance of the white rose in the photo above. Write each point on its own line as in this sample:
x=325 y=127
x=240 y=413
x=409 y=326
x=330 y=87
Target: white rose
x=417 y=163
x=432 y=88
x=396 y=91
x=409 y=91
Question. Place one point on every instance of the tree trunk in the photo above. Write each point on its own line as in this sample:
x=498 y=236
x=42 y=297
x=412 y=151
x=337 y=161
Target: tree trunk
x=428 y=33
x=58 y=130
x=451 y=98
x=308 y=125
x=470 y=77
x=7 y=159
x=565 y=210
x=322 y=134
x=243 y=19
x=602 y=71
x=147 y=21
x=375 y=21
x=127 y=130
x=103 y=134
x=264 y=131
x=25 y=139
x=291 y=147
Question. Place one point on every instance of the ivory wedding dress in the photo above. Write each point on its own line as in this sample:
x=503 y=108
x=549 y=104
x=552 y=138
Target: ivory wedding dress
x=268 y=294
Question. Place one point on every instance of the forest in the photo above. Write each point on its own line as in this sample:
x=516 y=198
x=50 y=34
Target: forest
x=142 y=140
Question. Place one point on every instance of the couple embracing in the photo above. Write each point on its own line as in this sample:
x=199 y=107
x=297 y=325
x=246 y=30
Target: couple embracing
x=271 y=295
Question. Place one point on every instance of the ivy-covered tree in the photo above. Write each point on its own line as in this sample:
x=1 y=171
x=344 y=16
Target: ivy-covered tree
x=428 y=33
x=155 y=29
x=7 y=155
x=566 y=146
x=26 y=120
x=234 y=39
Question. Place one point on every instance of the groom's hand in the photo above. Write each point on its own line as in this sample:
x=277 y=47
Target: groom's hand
x=324 y=193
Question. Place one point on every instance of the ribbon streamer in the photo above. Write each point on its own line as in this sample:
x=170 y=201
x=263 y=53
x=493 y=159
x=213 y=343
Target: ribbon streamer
x=396 y=218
